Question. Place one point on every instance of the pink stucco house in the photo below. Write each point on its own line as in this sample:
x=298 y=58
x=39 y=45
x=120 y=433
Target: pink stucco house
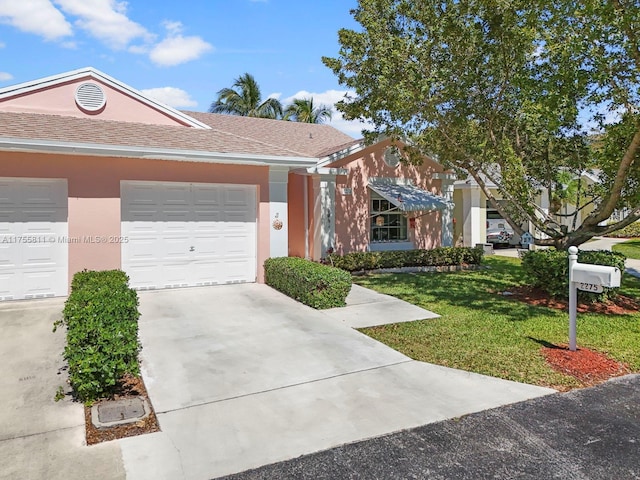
x=95 y=175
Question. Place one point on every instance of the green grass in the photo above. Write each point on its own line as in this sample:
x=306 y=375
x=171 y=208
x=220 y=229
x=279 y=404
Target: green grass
x=630 y=248
x=484 y=332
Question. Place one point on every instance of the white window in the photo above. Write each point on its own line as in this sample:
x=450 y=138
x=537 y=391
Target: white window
x=388 y=224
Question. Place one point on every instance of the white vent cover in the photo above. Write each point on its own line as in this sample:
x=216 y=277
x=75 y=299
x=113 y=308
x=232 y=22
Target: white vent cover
x=90 y=97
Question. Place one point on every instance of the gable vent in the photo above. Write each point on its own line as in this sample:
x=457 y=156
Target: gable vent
x=90 y=97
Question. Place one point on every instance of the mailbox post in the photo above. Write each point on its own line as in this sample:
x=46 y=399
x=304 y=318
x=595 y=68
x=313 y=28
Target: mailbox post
x=589 y=278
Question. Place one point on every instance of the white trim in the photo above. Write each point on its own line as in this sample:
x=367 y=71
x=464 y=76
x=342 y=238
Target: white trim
x=48 y=146
x=340 y=154
x=278 y=212
x=42 y=83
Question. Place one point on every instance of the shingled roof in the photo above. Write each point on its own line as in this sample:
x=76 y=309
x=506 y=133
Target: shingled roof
x=307 y=139
x=229 y=134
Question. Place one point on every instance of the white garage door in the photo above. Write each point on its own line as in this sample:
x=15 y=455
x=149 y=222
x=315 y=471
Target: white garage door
x=33 y=232
x=188 y=234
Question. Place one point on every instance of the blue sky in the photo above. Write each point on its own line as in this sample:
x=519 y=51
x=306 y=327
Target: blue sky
x=181 y=53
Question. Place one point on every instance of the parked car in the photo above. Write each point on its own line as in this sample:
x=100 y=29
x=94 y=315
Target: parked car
x=499 y=237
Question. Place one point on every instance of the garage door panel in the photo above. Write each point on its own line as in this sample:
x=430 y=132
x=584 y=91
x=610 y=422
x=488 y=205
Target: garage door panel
x=34 y=193
x=8 y=280
x=192 y=236
x=33 y=254
x=43 y=254
x=38 y=282
x=145 y=274
x=236 y=196
x=235 y=270
x=207 y=195
x=141 y=249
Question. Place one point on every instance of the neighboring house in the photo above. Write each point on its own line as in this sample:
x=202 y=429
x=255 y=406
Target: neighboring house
x=96 y=175
x=473 y=213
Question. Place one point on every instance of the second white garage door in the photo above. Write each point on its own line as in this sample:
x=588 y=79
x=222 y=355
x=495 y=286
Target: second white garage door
x=188 y=234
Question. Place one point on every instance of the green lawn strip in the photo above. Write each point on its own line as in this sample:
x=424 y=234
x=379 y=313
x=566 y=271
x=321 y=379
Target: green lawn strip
x=485 y=332
x=630 y=248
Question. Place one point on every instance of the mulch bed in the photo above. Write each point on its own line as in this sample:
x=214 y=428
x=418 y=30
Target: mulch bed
x=587 y=366
x=130 y=387
x=620 y=305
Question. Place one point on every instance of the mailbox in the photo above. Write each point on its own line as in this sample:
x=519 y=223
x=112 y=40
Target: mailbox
x=595 y=275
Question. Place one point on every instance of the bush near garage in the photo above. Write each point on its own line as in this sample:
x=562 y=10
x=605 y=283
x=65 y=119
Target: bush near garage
x=436 y=257
x=549 y=270
x=101 y=317
x=630 y=231
x=319 y=286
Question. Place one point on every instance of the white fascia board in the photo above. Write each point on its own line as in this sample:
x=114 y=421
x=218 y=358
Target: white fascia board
x=41 y=146
x=308 y=171
x=334 y=157
x=41 y=83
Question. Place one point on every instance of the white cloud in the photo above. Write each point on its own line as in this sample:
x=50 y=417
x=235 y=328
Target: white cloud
x=105 y=20
x=174 y=97
x=2 y=44
x=176 y=49
x=275 y=95
x=40 y=17
x=329 y=99
x=4 y=76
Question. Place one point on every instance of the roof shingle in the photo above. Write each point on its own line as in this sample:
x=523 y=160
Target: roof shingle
x=228 y=134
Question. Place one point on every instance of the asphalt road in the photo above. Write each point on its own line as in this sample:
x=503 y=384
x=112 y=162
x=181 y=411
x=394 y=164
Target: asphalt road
x=587 y=434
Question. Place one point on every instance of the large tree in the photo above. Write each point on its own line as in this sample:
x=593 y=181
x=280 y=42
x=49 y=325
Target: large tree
x=245 y=99
x=303 y=110
x=518 y=93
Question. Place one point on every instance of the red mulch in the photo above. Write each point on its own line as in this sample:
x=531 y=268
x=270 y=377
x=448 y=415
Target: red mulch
x=588 y=366
x=130 y=387
x=620 y=305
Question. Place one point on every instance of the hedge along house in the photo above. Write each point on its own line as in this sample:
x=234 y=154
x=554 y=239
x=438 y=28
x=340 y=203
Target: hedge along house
x=96 y=175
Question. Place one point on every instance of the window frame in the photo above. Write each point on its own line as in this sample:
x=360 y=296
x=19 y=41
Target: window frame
x=379 y=206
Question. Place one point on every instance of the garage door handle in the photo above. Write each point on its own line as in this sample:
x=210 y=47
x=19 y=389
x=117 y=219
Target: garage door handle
x=192 y=249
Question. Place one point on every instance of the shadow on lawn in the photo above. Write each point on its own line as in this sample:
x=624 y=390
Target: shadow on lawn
x=479 y=290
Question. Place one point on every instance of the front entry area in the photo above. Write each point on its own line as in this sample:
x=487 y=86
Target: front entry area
x=188 y=234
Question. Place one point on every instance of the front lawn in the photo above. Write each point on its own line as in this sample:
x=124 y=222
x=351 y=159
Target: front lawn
x=630 y=248
x=485 y=332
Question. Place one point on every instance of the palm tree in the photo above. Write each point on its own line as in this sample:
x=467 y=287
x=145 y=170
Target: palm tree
x=303 y=110
x=245 y=99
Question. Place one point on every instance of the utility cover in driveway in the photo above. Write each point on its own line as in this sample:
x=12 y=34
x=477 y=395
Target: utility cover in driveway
x=188 y=234
x=118 y=412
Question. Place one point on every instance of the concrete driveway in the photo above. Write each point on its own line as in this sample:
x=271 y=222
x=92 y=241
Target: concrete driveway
x=41 y=438
x=242 y=376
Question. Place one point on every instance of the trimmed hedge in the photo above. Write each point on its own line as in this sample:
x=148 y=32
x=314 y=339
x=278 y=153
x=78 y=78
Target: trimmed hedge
x=437 y=257
x=319 y=286
x=549 y=270
x=101 y=316
x=630 y=231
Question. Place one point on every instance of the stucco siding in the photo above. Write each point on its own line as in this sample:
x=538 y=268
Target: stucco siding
x=353 y=196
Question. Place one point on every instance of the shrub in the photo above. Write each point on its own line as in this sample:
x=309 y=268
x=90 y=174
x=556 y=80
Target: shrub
x=101 y=316
x=319 y=286
x=437 y=257
x=630 y=231
x=549 y=270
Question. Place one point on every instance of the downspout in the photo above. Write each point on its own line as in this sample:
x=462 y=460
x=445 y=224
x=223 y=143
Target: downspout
x=306 y=217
